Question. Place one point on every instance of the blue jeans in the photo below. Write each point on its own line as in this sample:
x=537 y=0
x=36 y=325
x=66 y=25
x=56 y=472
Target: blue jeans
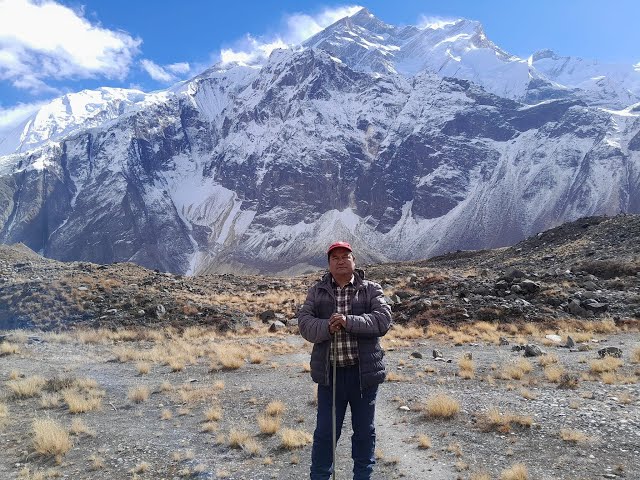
x=363 y=440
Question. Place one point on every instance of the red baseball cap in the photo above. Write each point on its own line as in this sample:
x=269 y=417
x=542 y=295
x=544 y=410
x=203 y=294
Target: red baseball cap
x=339 y=245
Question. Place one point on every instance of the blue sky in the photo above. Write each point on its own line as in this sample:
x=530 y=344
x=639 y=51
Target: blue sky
x=48 y=48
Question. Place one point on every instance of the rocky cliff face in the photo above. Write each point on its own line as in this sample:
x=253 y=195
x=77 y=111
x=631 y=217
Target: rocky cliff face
x=258 y=169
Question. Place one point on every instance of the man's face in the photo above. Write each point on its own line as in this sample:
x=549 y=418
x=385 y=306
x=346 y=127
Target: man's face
x=341 y=262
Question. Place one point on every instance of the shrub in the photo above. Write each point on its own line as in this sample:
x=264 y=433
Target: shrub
x=50 y=438
x=291 y=439
x=138 y=394
x=515 y=472
x=441 y=405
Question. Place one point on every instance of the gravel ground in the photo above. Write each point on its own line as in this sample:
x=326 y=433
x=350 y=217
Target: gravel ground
x=128 y=436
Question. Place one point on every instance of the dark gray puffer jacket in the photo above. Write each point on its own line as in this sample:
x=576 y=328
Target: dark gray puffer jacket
x=369 y=320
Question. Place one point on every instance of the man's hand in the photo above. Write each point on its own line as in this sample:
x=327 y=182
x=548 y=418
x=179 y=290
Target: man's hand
x=337 y=321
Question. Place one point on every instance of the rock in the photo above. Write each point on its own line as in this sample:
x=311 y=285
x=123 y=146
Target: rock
x=277 y=326
x=437 y=353
x=160 y=310
x=554 y=338
x=512 y=272
x=292 y=322
x=610 y=352
x=404 y=408
x=517 y=348
x=112 y=311
x=531 y=350
x=267 y=315
x=589 y=285
x=467 y=356
x=570 y=343
x=516 y=288
x=595 y=306
x=529 y=286
x=403 y=294
x=503 y=341
x=575 y=308
x=416 y=354
x=83 y=289
x=501 y=285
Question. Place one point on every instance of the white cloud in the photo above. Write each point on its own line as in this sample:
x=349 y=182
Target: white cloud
x=155 y=71
x=167 y=73
x=13 y=116
x=179 y=68
x=298 y=27
x=42 y=40
x=435 y=23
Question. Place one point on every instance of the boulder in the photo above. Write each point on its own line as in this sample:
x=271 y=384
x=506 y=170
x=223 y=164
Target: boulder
x=277 y=326
x=416 y=354
x=610 y=352
x=529 y=286
x=267 y=315
x=437 y=353
x=531 y=350
x=595 y=306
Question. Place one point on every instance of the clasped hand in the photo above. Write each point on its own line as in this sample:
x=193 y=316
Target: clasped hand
x=337 y=321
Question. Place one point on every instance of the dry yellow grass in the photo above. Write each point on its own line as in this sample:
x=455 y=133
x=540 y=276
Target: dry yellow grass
x=78 y=427
x=96 y=462
x=252 y=447
x=237 y=438
x=494 y=420
x=467 y=368
x=635 y=355
x=516 y=370
x=213 y=414
x=441 y=405
x=82 y=402
x=606 y=364
x=515 y=472
x=480 y=476
x=275 y=407
x=138 y=393
x=4 y=410
x=26 y=387
x=50 y=438
x=291 y=439
x=8 y=348
x=573 y=436
x=256 y=358
x=141 y=467
x=50 y=400
x=268 y=424
x=553 y=373
x=528 y=394
x=548 y=359
x=405 y=333
x=424 y=442
x=397 y=377
x=143 y=368
x=166 y=414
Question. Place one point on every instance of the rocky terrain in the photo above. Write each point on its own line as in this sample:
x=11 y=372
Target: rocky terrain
x=156 y=375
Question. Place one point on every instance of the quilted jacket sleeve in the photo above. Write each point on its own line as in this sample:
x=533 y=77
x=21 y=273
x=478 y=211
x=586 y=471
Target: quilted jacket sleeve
x=312 y=328
x=375 y=323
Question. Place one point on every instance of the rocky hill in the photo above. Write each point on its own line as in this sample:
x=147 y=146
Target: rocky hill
x=585 y=269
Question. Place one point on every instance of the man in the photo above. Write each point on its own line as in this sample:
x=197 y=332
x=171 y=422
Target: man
x=345 y=307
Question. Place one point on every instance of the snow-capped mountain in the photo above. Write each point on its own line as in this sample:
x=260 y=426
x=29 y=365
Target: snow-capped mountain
x=461 y=49
x=354 y=136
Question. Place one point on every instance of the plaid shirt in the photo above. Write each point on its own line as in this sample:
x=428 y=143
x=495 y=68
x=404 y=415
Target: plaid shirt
x=347 y=343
